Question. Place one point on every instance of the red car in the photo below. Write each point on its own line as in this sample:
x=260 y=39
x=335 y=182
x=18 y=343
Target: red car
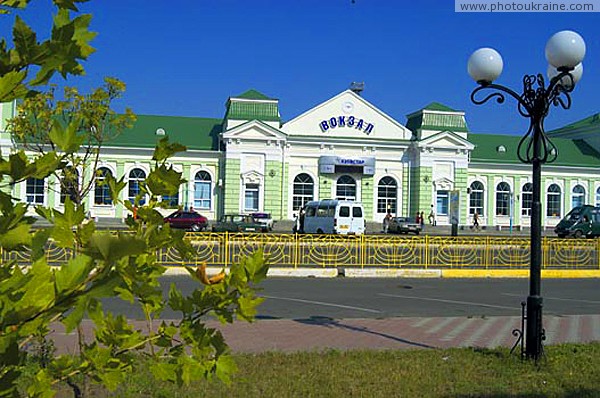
x=187 y=220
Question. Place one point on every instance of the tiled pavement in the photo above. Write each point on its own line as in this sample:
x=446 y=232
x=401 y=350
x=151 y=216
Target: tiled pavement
x=316 y=334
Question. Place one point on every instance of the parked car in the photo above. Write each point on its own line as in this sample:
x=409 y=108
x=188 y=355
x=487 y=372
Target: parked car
x=579 y=222
x=265 y=220
x=237 y=223
x=404 y=225
x=187 y=220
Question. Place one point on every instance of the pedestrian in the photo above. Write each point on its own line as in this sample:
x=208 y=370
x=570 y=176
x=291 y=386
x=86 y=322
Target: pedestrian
x=301 y=219
x=432 y=216
x=422 y=220
x=476 y=221
x=418 y=218
x=386 y=222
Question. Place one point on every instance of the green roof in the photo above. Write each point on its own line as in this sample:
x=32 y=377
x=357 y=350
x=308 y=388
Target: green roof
x=428 y=119
x=253 y=108
x=591 y=123
x=253 y=95
x=570 y=152
x=436 y=106
x=193 y=132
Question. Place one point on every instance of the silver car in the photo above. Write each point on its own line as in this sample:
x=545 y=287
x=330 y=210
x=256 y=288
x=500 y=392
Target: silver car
x=404 y=225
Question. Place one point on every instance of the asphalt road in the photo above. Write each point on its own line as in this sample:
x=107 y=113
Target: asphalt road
x=298 y=298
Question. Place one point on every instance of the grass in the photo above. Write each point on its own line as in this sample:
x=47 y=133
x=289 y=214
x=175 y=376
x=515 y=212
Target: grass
x=569 y=370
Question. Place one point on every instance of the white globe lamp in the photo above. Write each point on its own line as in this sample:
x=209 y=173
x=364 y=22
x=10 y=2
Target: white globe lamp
x=565 y=49
x=485 y=65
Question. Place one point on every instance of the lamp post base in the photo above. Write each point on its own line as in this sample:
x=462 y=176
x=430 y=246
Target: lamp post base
x=534 y=334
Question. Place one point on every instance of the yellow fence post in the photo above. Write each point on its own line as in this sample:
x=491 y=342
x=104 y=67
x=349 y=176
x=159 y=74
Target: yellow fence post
x=426 y=248
x=363 y=251
x=226 y=251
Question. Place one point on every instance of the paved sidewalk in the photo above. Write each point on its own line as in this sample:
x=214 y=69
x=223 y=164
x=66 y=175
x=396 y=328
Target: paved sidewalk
x=322 y=333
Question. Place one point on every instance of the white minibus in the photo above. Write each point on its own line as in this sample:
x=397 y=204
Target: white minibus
x=333 y=217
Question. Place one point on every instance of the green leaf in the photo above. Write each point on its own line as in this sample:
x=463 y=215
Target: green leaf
x=111 y=248
x=225 y=367
x=164 y=180
x=38 y=294
x=11 y=86
x=16 y=238
x=164 y=371
x=248 y=306
x=45 y=165
x=66 y=138
x=70 y=276
x=115 y=187
x=74 y=317
x=38 y=244
x=25 y=40
x=256 y=267
x=165 y=150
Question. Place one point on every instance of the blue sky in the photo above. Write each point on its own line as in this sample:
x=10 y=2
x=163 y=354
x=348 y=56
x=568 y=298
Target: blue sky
x=186 y=57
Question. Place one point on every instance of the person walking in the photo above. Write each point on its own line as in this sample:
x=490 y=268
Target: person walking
x=386 y=222
x=422 y=220
x=432 y=216
x=476 y=221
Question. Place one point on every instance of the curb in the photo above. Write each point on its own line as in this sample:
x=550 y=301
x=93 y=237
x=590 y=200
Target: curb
x=404 y=273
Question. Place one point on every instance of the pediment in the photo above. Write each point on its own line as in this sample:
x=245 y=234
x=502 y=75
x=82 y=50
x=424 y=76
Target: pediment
x=255 y=130
x=252 y=177
x=446 y=139
x=347 y=115
x=443 y=184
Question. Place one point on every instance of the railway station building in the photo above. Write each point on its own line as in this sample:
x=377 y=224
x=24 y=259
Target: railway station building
x=346 y=148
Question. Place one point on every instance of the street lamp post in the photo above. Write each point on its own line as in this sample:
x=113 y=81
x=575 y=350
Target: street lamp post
x=564 y=51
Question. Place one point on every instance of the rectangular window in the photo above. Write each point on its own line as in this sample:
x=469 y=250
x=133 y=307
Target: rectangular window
x=35 y=191
x=202 y=195
x=251 y=197
x=476 y=202
x=442 y=202
x=502 y=203
x=345 y=211
x=384 y=205
x=526 y=204
x=553 y=206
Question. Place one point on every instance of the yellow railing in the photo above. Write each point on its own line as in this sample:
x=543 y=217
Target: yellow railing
x=331 y=251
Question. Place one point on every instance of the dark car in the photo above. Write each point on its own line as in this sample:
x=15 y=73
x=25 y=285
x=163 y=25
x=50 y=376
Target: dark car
x=237 y=223
x=404 y=225
x=579 y=222
x=187 y=220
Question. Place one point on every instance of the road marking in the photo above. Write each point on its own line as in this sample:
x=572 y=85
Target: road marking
x=457 y=330
x=325 y=304
x=555 y=298
x=450 y=301
x=439 y=326
x=476 y=335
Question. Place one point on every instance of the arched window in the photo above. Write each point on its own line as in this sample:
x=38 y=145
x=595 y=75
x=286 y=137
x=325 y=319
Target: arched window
x=345 y=188
x=35 y=191
x=202 y=190
x=553 y=198
x=387 y=195
x=69 y=185
x=101 y=189
x=136 y=176
x=578 y=198
x=476 y=198
x=303 y=191
x=503 y=199
x=526 y=199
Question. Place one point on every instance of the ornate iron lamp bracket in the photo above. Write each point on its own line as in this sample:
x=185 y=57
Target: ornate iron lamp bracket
x=533 y=104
